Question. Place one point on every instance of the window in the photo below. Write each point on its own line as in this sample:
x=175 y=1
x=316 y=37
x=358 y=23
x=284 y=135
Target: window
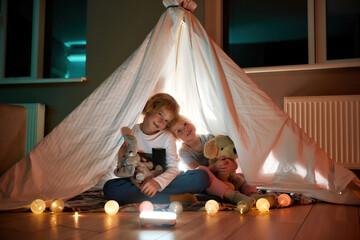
x=42 y=41
x=343 y=29
x=266 y=33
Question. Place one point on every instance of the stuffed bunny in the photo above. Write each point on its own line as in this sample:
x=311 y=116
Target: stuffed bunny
x=131 y=165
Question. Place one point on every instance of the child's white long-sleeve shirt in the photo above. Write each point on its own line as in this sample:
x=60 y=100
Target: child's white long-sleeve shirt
x=163 y=139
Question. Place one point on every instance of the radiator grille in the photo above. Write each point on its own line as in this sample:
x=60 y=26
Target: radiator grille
x=333 y=122
x=35 y=124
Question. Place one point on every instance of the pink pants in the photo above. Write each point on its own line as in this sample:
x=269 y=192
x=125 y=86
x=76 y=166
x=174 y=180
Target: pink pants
x=218 y=187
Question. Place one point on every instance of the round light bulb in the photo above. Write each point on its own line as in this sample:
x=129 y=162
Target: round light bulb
x=57 y=206
x=176 y=207
x=263 y=205
x=37 y=206
x=243 y=207
x=146 y=206
x=212 y=207
x=284 y=200
x=111 y=207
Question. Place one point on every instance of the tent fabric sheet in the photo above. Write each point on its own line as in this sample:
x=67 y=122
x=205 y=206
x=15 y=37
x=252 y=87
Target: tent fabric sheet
x=179 y=58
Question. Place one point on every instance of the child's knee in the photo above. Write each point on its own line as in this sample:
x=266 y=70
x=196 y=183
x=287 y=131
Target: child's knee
x=108 y=188
x=203 y=168
x=203 y=180
x=204 y=175
x=113 y=187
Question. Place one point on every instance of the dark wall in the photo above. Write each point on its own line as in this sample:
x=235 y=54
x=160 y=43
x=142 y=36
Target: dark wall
x=341 y=81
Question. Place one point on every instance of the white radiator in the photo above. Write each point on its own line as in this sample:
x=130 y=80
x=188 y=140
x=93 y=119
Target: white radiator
x=333 y=122
x=35 y=124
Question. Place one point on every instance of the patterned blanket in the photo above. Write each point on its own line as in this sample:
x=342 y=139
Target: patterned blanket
x=94 y=201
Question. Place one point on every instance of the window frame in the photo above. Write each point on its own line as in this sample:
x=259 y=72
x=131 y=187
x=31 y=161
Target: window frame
x=317 y=59
x=37 y=48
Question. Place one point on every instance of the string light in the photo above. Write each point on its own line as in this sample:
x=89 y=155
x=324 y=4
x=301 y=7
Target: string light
x=176 y=207
x=212 y=207
x=263 y=205
x=37 y=206
x=157 y=218
x=243 y=207
x=111 y=207
x=284 y=200
x=57 y=206
x=146 y=206
x=76 y=219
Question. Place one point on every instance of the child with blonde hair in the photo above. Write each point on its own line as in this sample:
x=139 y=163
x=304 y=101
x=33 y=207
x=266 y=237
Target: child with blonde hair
x=152 y=133
x=192 y=154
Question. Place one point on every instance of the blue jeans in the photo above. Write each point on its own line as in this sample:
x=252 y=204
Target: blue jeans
x=123 y=190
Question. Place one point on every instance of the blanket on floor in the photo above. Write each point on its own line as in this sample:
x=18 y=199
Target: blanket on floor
x=94 y=201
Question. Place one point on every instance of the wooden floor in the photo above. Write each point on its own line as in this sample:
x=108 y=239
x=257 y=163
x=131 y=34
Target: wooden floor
x=318 y=221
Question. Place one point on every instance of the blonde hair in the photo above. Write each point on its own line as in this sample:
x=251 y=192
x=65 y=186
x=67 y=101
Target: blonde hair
x=178 y=119
x=156 y=102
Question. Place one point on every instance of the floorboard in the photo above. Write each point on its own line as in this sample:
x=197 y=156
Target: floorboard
x=317 y=221
x=327 y=221
x=275 y=224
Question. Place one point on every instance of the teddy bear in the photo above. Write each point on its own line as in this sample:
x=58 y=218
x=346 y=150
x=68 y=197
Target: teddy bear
x=223 y=146
x=131 y=165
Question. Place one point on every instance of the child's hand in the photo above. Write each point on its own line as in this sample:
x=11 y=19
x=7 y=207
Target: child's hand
x=149 y=187
x=136 y=182
x=225 y=166
x=126 y=131
x=122 y=150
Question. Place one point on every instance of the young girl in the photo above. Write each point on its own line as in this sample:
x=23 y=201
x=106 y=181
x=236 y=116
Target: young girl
x=191 y=153
x=159 y=111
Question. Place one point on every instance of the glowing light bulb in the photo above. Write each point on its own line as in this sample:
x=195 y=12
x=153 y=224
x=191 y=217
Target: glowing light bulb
x=176 y=207
x=37 y=206
x=243 y=207
x=212 y=207
x=284 y=200
x=111 y=207
x=76 y=219
x=263 y=205
x=156 y=218
x=57 y=206
x=146 y=206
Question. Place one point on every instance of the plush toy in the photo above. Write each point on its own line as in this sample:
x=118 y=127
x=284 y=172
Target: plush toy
x=223 y=146
x=131 y=165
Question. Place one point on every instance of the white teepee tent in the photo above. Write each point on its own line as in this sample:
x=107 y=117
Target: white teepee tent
x=176 y=57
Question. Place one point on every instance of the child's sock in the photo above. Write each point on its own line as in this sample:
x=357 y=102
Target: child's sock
x=186 y=197
x=236 y=197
